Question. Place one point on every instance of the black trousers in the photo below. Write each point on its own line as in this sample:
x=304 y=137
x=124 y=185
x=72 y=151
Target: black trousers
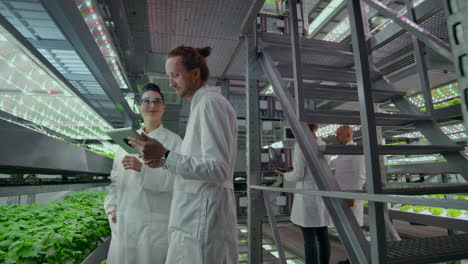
x=316 y=245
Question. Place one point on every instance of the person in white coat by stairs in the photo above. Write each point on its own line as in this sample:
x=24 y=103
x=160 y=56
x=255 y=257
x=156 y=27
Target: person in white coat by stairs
x=203 y=224
x=309 y=211
x=139 y=199
x=350 y=173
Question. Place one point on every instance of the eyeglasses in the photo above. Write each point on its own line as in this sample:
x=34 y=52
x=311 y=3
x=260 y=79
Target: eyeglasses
x=147 y=102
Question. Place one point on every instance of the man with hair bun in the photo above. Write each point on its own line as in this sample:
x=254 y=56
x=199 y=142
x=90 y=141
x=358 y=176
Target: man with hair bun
x=203 y=224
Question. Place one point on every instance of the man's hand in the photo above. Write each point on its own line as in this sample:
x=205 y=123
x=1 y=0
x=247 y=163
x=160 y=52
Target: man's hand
x=351 y=203
x=151 y=150
x=131 y=163
x=113 y=215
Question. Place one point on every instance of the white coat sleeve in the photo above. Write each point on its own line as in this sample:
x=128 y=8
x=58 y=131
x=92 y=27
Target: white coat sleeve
x=298 y=171
x=216 y=127
x=360 y=169
x=110 y=203
x=159 y=179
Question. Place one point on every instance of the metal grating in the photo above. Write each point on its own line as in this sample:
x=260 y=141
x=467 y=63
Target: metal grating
x=197 y=23
x=435 y=24
x=428 y=250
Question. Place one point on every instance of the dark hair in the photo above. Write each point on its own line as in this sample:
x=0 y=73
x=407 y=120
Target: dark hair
x=151 y=87
x=313 y=127
x=193 y=58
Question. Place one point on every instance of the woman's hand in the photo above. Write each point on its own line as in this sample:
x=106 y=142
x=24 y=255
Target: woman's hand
x=131 y=163
x=113 y=215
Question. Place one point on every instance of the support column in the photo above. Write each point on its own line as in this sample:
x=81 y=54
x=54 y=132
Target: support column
x=369 y=133
x=419 y=58
x=255 y=200
x=296 y=56
x=457 y=23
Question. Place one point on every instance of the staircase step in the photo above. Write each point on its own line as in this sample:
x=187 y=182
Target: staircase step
x=420 y=168
x=428 y=250
x=321 y=46
x=424 y=188
x=317 y=72
x=343 y=93
x=353 y=118
x=391 y=150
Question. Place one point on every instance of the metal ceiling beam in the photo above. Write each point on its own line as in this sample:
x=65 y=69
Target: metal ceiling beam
x=68 y=18
x=51 y=44
x=246 y=26
x=79 y=77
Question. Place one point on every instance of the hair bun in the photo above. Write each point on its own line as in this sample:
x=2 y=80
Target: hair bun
x=205 y=52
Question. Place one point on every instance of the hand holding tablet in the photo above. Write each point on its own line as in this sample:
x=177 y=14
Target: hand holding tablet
x=120 y=137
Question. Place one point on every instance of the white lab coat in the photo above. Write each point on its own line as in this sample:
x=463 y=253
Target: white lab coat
x=307 y=210
x=203 y=224
x=142 y=201
x=350 y=173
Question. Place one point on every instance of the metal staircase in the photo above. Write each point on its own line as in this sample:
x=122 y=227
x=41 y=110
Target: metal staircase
x=350 y=75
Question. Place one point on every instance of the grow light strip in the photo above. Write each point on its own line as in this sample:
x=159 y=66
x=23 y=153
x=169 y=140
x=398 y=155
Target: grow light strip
x=32 y=93
x=103 y=38
x=439 y=95
x=330 y=130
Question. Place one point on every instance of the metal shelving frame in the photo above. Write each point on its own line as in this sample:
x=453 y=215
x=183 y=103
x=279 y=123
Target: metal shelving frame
x=359 y=250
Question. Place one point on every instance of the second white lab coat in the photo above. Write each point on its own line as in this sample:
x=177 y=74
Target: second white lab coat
x=142 y=201
x=350 y=173
x=203 y=224
x=307 y=210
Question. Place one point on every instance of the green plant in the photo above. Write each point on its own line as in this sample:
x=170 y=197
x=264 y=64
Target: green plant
x=60 y=232
x=436 y=210
x=419 y=208
x=454 y=212
x=406 y=207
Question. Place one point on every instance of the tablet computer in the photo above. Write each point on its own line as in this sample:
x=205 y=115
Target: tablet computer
x=120 y=137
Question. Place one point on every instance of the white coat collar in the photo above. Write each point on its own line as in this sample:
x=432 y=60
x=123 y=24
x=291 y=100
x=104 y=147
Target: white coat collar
x=152 y=133
x=351 y=143
x=205 y=89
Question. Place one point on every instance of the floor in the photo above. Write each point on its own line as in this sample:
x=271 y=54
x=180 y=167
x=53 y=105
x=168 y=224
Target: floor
x=291 y=237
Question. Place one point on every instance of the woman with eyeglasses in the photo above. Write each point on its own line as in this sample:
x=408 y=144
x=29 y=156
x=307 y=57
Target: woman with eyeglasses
x=139 y=200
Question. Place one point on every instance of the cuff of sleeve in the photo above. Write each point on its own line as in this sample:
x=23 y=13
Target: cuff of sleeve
x=110 y=208
x=171 y=161
x=142 y=171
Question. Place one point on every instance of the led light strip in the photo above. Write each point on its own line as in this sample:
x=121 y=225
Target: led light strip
x=330 y=130
x=103 y=38
x=31 y=92
x=439 y=95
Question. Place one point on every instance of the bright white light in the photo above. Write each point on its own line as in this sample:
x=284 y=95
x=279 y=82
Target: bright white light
x=38 y=97
x=276 y=145
x=267 y=247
